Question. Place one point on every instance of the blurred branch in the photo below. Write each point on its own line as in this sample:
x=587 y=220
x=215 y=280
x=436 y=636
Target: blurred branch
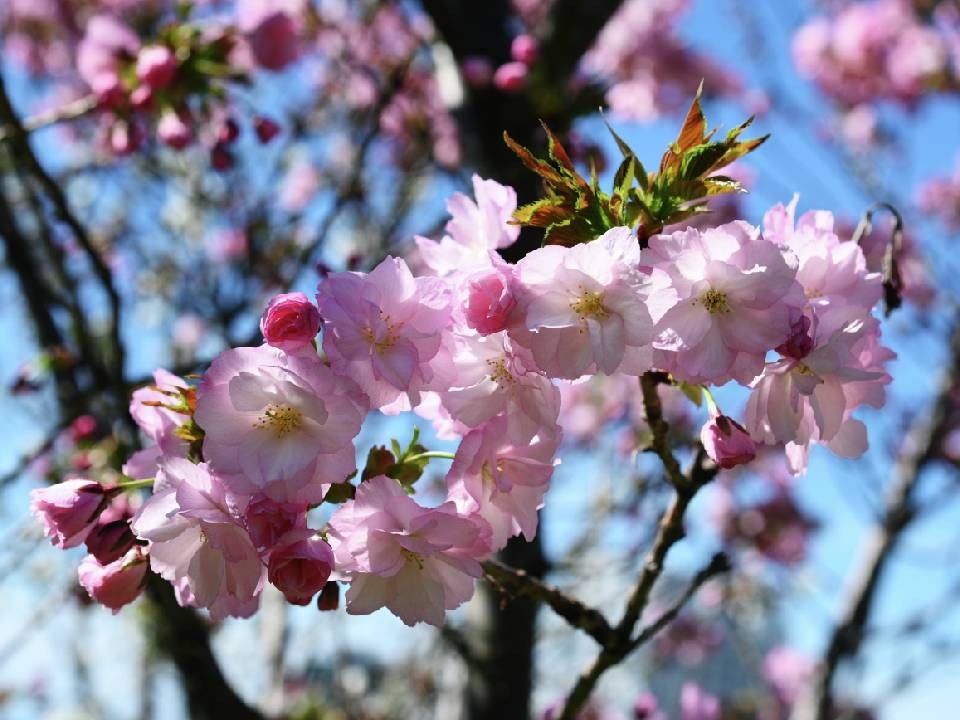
x=669 y=532
x=22 y=151
x=184 y=636
x=517 y=582
x=920 y=446
x=70 y=111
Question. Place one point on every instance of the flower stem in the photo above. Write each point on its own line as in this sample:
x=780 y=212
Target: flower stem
x=430 y=455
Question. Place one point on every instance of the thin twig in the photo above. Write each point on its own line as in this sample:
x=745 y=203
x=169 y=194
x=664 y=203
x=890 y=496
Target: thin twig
x=70 y=111
x=669 y=532
x=517 y=582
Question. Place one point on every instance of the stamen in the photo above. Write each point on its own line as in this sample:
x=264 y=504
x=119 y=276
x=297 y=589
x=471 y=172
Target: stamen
x=715 y=301
x=413 y=557
x=590 y=304
x=281 y=419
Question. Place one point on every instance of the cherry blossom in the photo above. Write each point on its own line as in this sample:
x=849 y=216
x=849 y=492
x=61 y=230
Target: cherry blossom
x=415 y=561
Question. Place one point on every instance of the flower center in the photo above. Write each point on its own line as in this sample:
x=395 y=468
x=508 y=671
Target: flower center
x=590 y=304
x=281 y=419
x=415 y=558
x=802 y=369
x=715 y=301
x=386 y=342
x=499 y=372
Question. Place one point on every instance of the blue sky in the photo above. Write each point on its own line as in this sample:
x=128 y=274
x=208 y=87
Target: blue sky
x=836 y=491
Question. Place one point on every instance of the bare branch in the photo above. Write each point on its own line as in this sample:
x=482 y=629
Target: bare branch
x=517 y=582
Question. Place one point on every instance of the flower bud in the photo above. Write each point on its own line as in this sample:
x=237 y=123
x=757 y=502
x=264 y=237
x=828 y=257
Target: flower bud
x=329 y=597
x=489 y=302
x=69 y=510
x=525 y=49
x=265 y=128
x=83 y=428
x=275 y=42
x=267 y=520
x=141 y=97
x=300 y=566
x=727 y=442
x=476 y=70
x=220 y=158
x=646 y=707
x=174 y=129
x=117 y=583
x=156 y=66
x=290 y=322
x=800 y=342
x=510 y=77
x=228 y=131
x=125 y=137
x=110 y=541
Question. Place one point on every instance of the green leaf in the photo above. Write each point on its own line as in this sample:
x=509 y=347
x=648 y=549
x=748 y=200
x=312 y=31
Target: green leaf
x=340 y=493
x=693 y=392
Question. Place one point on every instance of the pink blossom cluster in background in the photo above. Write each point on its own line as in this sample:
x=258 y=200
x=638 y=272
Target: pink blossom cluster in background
x=880 y=50
x=480 y=347
x=649 y=69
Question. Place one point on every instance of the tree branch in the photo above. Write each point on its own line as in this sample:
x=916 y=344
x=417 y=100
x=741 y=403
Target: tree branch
x=669 y=532
x=517 y=582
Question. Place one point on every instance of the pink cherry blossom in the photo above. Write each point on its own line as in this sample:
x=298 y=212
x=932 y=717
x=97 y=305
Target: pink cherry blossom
x=106 y=46
x=721 y=298
x=290 y=322
x=413 y=560
x=493 y=376
x=476 y=227
x=525 y=49
x=116 y=583
x=501 y=482
x=810 y=400
x=272 y=29
x=727 y=442
x=196 y=541
x=697 y=704
x=151 y=408
x=69 y=510
x=383 y=329
x=788 y=671
x=279 y=423
x=833 y=274
x=299 y=565
x=585 y=307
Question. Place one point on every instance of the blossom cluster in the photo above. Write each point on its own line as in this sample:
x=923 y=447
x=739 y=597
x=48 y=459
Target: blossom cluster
x=880 y=50
x=479 y=347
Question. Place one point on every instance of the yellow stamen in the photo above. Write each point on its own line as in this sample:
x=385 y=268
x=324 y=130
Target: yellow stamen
x=715 y=301
x=281 y=419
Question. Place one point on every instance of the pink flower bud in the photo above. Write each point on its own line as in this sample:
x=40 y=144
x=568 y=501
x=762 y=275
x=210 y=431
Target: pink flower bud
x=156 y=66
x=800 y=342
x=228 y=131
x=329 y=597
x=108 y=90
x=265 y=128
x=525 y=49
x=274 y=42
x=300 y=566
x=489 y=302
x=125 y=137
x=268 y=520
x=220 y=158
x=290 y=322
x=83 y=428
x=476 y=70
x=727 y=442
x=69 y=510
x=174 y=129
x=141 y=97
x=117 y=583
x=110 y=541
x=510 y=77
